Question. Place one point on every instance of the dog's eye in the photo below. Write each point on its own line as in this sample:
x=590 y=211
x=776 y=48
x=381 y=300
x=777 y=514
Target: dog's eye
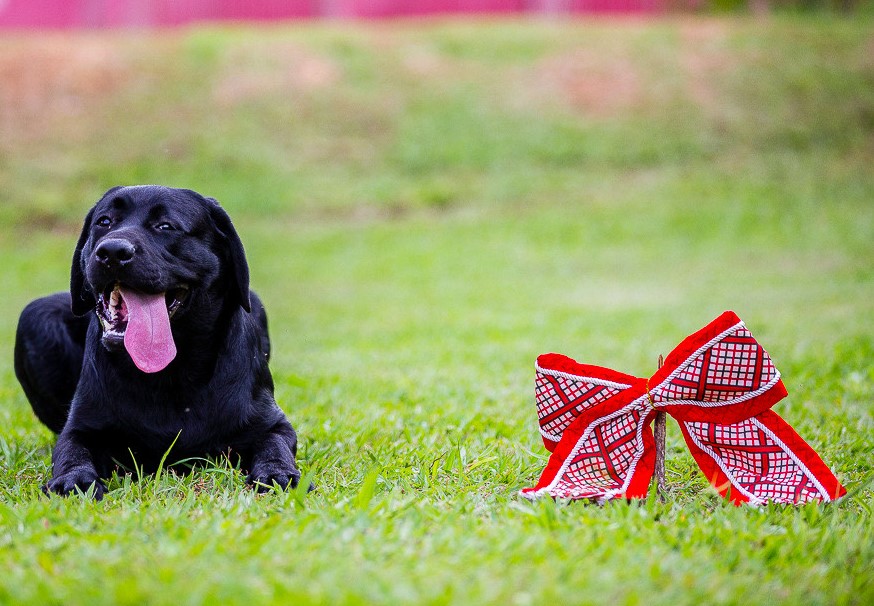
x=164 y=226
x=103 y=222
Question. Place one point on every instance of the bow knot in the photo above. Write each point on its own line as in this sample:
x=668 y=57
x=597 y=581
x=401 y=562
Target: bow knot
x=650 y=401
x=718 y=384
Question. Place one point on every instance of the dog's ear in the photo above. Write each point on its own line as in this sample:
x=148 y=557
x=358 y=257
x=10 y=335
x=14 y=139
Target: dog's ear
x=234 y=250
x=82 y=297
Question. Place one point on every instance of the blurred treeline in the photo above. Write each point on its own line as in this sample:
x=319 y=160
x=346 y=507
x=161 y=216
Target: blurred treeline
x=774 y=6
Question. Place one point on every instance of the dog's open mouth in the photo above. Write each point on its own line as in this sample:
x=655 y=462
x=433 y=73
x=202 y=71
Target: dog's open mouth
x=141 y=322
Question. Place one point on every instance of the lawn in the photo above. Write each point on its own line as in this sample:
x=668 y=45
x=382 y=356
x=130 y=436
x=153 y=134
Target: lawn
x=426 y=207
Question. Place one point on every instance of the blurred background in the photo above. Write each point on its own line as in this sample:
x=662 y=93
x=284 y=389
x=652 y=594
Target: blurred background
x=150 y=13
x=531 y=169
x=501 y=178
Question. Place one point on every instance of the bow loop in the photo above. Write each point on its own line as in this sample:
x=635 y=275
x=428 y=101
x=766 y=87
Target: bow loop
x=564 y=389
x=719 y=374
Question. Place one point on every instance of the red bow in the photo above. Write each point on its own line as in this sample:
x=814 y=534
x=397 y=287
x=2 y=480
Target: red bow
x=719 y=384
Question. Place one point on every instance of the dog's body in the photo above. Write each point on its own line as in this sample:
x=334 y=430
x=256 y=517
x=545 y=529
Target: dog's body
x=159 y=343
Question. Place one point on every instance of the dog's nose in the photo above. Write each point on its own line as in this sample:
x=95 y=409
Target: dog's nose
x=115 y=252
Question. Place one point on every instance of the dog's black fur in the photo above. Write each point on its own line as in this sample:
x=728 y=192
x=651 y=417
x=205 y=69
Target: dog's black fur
x=215 y=397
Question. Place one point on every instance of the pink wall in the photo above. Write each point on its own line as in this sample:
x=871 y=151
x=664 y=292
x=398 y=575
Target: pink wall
x=63 y=14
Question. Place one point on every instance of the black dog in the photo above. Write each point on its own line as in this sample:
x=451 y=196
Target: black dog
x=159 y=340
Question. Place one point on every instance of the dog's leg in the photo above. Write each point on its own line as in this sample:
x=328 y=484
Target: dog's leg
x=273 y=459
x=73 y=466
x=49 y=347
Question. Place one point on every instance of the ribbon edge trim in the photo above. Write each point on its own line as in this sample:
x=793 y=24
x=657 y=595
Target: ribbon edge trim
x=572 y=377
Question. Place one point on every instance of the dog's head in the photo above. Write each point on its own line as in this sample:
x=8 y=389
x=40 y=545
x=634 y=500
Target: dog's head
x=147 y=256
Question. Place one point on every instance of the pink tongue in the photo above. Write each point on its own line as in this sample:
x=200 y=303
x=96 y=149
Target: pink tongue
x=147 y=338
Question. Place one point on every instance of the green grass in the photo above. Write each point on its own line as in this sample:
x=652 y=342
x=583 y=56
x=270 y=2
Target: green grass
x=426 y=208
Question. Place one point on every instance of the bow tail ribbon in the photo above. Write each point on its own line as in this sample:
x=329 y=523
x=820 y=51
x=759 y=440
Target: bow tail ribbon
x=719 y=384
x=760 y=459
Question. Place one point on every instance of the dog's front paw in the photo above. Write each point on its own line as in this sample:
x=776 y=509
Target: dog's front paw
x=264 y=475
x=81 y=479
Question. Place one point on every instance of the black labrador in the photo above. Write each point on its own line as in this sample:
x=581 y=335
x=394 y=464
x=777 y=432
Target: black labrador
x=159 y=343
